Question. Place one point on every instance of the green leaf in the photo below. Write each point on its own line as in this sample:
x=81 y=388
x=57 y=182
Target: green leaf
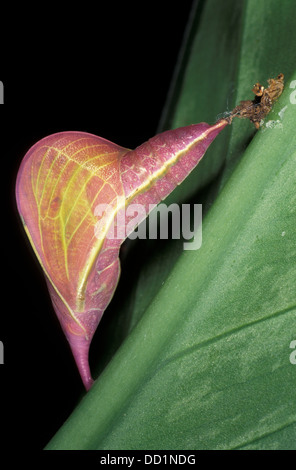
x=206 y=364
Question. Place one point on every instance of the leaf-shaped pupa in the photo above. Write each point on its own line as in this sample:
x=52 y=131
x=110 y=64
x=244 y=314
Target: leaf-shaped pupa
x=61 y=181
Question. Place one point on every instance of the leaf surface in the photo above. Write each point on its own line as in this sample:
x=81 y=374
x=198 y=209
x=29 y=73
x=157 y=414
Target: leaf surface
x=210 y=363
x=207 y=365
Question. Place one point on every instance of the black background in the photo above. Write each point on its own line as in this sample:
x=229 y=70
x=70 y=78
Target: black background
x=100 y=68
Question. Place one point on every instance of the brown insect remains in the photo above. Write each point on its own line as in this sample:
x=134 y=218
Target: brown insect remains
x=261 y=105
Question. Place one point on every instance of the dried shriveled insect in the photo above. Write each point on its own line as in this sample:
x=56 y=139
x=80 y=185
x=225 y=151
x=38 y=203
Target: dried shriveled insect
x=261 y=105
